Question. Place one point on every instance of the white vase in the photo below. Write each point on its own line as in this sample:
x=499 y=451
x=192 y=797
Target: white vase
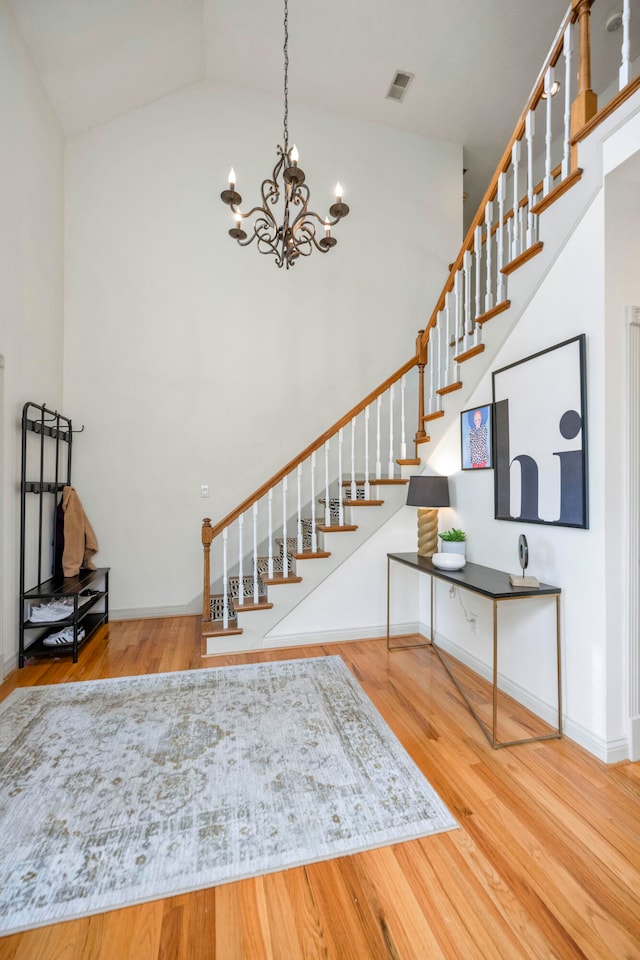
x=454 y=546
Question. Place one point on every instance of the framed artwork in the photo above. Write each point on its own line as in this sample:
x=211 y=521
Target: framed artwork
x=540 y=437
x=476 y=438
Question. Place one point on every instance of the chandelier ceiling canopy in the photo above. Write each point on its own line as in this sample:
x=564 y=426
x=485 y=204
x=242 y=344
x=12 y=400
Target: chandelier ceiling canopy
x=285 y=198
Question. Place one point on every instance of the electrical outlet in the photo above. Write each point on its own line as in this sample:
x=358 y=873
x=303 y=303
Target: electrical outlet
x=473 y=622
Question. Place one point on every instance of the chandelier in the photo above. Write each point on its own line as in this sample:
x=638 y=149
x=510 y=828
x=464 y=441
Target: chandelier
x=287 y=196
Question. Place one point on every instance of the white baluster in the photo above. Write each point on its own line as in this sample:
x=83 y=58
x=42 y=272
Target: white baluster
x=378 y=455
x=510 y=232
x=340 y=507
x=240 y=560
x=477 y=265
x=353 y=489
x=516 y=152
x=447 y=336
x=299 y=517
x=270 y=534
x=225 y=580
x=432 y=375
x=624 y=73
x=256 y=591
x=367 y=485
x=403 y=435
x=327 y=494
x=502 y=193
x=566 y=146
x=549 y=80
x=530 y=125
x=468 y=309
x=488 y=219
x=314 y=534
x=457 y=292
x=285 y=551
x=390 y=463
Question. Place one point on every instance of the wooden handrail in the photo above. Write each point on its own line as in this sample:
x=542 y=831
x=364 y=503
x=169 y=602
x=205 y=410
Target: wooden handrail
x=212 y=532
x=536 y=93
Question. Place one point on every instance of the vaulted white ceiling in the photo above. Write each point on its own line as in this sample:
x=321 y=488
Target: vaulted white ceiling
x=474 y=61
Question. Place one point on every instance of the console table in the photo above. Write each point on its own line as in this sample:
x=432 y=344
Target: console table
x=495 y=585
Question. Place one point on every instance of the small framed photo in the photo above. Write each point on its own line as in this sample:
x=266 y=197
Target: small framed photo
x=476 y=437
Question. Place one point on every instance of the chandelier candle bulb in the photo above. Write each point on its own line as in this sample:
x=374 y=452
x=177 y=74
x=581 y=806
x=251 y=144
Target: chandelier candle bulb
x=290 y=232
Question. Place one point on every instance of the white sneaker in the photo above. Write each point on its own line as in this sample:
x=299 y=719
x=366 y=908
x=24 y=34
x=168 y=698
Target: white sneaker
x=63 y=638
x=59 y=609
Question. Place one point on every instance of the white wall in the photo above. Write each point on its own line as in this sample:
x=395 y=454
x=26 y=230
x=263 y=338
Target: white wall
x=31 y=279
x=191 y=360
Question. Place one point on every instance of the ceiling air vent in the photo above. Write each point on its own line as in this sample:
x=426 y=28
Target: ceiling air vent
x=399 y=85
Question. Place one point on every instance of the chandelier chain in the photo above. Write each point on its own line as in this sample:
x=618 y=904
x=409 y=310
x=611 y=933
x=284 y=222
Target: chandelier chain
x=286 y=75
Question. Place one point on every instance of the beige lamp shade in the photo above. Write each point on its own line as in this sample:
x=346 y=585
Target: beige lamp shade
x=428 y=493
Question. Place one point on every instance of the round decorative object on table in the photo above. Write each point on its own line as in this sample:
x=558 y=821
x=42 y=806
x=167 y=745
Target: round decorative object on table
x=523 y=552
x=449 y=561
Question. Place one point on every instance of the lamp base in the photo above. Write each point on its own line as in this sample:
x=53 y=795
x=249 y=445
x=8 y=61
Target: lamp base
x=427 y=531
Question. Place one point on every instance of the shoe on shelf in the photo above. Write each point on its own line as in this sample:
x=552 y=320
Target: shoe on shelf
x=63 y=638
x=60 y=609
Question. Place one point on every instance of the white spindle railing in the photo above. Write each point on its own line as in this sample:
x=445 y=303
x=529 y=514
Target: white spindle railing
x=549 y=80
x=567 y=50
x=624 y=74
x=530 y=130
x=314 y=533
x=502 y=195
x=367 y=486
x=327 y=491
x=488 y=296
x=340 y=507
x=391 y=463
x=225 y=579
x=403 y=425
x=353 y=490
x=285 y=550
x=378 y=439
x=270 y=534
x=240 y=559
x=299 y=509
x=256 y=589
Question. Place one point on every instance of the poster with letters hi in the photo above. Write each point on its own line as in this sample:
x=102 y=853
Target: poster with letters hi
x=540 y=436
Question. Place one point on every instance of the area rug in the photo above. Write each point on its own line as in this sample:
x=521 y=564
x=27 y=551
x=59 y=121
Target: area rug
x=114 y=792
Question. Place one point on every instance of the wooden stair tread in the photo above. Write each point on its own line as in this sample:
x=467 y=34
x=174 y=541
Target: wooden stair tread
x=490 y=314
x=433 y=416
x=557 y=191
x=270 y=581
x=363 y=503
x=218 y=631
x=244 y=607
x=409 y=463
x=468 y=354
x=318 y=555
x=345 y=528
x=524 y=257
x=449 y=389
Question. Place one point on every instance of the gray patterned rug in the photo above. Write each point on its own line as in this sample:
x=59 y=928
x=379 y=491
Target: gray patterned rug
x=114 y=792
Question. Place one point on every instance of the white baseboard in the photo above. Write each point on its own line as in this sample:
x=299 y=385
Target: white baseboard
x=609 y=751
x=149 y=613
x=335 y=636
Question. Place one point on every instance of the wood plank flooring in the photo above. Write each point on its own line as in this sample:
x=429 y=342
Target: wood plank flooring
x=546 y=863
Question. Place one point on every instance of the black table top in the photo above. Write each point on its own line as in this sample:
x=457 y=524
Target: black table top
x=485 y=580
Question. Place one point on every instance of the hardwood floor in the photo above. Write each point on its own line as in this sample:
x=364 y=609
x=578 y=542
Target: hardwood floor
x=546 y=863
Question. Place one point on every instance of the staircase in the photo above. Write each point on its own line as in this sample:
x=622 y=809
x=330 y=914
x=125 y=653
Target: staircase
x=322 y=507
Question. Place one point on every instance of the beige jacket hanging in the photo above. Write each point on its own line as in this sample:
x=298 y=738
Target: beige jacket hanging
x=80 y=542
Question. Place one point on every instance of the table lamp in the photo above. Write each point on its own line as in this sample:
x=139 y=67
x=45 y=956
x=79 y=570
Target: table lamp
x=428 y=493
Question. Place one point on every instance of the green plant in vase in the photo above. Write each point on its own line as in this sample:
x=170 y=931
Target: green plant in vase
x=453 y=541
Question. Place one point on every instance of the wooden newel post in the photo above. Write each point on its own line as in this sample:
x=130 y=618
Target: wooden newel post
x=421 y=353
x=207 y=537
x=585 y=104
